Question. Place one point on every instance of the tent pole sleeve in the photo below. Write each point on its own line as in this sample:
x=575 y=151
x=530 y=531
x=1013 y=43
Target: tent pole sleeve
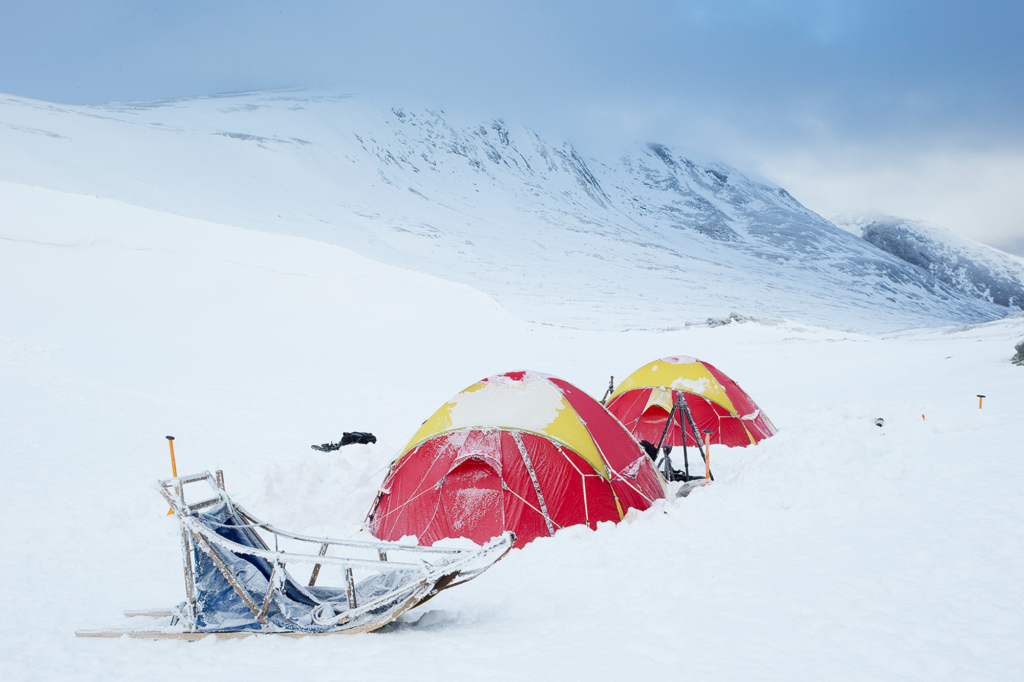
x=533 y=478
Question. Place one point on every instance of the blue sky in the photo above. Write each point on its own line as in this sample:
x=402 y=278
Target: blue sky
x=912 y=108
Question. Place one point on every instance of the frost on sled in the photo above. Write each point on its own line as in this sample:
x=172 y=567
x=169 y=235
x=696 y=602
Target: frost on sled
x=239 y=580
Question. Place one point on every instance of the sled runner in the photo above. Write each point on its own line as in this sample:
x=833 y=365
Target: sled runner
x=689 y=486
x=238 y=582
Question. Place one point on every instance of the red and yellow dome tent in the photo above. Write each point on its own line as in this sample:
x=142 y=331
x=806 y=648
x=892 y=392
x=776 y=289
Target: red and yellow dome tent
x=520 y=451
x=644 y=400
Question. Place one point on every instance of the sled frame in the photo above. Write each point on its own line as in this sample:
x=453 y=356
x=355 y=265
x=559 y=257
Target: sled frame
x=196 y=535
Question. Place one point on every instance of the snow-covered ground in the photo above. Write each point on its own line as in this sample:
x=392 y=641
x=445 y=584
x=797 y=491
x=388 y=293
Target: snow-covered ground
x=835 y=550
x=646 y=237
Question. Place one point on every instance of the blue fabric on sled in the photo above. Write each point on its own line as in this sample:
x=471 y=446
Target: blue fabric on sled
x=220 y=609
x=233 y=528
x=218 y=606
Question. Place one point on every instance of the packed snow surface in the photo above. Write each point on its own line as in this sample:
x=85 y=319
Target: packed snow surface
x=834 y=550
x=645 y=237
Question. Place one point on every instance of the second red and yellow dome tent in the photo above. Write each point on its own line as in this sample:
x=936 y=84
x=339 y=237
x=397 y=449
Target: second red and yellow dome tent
x=644 y=399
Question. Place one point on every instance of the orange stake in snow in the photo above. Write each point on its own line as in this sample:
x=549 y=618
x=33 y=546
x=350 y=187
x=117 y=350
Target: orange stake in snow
x=980 y=398
x=174 y=465
x=707 y=455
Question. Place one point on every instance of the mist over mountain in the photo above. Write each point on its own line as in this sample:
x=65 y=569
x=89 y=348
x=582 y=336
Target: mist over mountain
x=650 y=236
x=975 y=269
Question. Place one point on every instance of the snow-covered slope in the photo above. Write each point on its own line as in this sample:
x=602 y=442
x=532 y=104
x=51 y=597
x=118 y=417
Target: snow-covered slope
x=834 y=550
x=975 y=269
x=643 y=238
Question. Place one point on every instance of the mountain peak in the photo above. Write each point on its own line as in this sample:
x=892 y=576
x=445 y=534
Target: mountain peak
x=648 y=236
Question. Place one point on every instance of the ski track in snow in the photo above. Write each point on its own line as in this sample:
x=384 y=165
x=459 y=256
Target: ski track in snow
x=834 y=550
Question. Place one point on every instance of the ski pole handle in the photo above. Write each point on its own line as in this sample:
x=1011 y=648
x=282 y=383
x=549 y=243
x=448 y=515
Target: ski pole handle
x=174 y=465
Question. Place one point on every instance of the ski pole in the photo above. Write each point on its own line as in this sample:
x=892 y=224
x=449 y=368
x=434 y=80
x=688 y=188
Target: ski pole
x=696 y=437
x=668 y=423
x=611 y=387
x=682 y=427
x=666 y=461
x=174 y=465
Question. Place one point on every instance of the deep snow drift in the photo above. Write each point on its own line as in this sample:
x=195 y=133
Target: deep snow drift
x=973 y=268
x=645 y=237
x=834 y=550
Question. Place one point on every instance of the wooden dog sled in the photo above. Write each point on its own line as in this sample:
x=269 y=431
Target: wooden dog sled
x=238 y=582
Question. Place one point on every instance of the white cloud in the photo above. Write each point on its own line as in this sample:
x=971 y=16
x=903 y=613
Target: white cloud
x=977 y=194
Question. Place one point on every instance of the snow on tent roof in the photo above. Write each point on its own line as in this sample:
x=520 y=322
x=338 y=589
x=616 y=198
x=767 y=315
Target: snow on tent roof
x=525 y=401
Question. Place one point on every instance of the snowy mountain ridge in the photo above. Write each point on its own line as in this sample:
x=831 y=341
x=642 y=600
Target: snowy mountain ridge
x=645 y=238
x=976 y=269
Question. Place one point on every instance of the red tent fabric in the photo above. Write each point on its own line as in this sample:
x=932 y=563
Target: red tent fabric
x=520 y=451
x=643 y=400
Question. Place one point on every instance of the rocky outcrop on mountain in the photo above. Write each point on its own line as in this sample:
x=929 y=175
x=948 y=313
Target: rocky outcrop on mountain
x=975 y=269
